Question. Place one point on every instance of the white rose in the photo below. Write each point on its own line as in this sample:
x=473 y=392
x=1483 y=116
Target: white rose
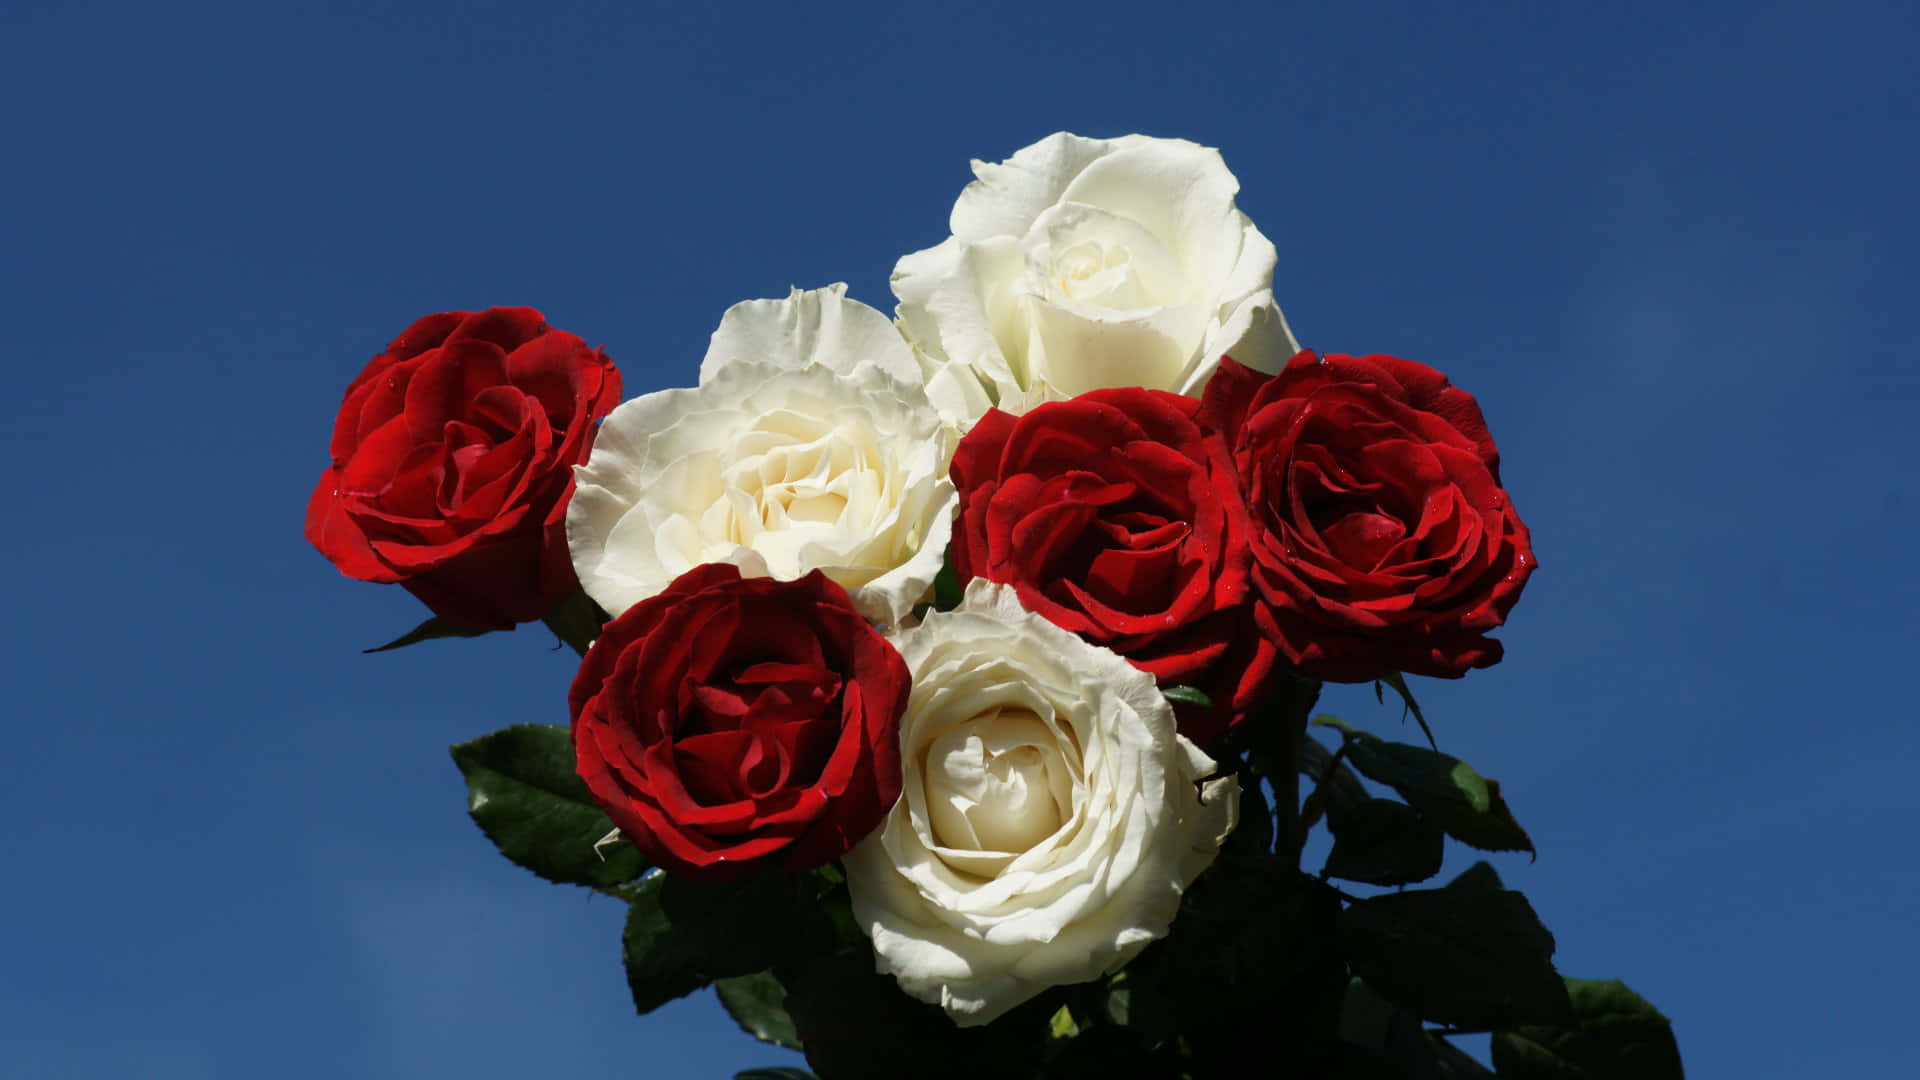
x=1048 y=821
x=1086 y=263
x=810 y=443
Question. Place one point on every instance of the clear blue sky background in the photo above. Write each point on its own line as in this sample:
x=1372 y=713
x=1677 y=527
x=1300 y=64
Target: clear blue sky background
x=1672 y=251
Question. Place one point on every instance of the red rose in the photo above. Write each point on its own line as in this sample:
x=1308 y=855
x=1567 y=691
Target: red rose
x=729 y=723
x=1115 y=515
x=452 y=464
x=1382 y=540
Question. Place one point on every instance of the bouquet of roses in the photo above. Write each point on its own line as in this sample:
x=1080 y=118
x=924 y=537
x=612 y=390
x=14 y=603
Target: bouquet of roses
x=947 y=680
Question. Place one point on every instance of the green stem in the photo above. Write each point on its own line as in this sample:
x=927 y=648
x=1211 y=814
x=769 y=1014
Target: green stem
x=1316 y=804
x=1290 y=823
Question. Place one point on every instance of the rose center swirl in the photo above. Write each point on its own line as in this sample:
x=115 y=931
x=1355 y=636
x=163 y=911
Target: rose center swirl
x=1095 y=273
x=792 y=478
x=996 y=783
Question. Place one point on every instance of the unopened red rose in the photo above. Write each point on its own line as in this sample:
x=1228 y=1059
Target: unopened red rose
x=1382 y=540
x=730 y=724
x=1115 y=515
x=452 y=462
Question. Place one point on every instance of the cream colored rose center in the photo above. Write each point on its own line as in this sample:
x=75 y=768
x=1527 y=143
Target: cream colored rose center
x=1098 y=274
x=996 y=783
x=790 y=471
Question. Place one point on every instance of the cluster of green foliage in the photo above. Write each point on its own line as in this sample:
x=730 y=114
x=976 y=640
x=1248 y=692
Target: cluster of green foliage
x=1291 y=970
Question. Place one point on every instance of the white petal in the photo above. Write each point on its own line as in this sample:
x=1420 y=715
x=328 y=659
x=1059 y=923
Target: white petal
x=1137 y=238
x=1177 y=190
x=1255 y=334
x=978 y=932
x=949 y=297
x=1007 y=197
x=785 y=469
x=811 y=326
x=1082 y=350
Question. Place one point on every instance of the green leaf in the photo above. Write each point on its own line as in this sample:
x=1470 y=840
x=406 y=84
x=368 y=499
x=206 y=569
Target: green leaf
x=1382 y=842
x=524 y=794
x=740 y=927
x=1481 y=878
x=1491 y=830
x=1188 y=695
x=1399 y=684
x=758 y=1003
x=1381 y=1042
x=947 y=590
x=662 y=964
x=1253 y=835
x=1062 y=1025
x=1444 y=788
x=435 y=627
x=1252 y=950
x=1335 y=786
x=1376 y=1040
x=576 y=620
x=1472 y=954
x=1615 y=1035
x=1452 y=1063
x=857 y=1024
x=683 y=934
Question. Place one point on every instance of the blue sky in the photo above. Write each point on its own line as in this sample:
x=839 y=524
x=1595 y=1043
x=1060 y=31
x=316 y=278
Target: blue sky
x=1671 y=252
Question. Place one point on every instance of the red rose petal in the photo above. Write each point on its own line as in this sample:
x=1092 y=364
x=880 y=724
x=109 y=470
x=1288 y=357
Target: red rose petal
x=736 y=721
x=1380 y=535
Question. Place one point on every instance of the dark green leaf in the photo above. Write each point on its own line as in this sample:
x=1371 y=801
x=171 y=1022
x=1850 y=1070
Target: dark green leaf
x=1491 y=830
x=1381 y=1042
x=435 y=627
x=1106 y=1051
x=1453 y=1063
x=1251 y=951
x=1376 y=1040
x=780 y=1072
x=740 y=927
x=1188 y=695
x=1615 y=1035
x=1472 y=954
x=757 y=1002
x=857 y=1024
x=524 y=794
x=1480 y=878
x=662 y=964
x=576 y=620
x=1461 y=801
x=1371 y=1021
x=1382 y=842
x=947 y=590
x=1335 y=784
x=683 y=934
x=1253 y=835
